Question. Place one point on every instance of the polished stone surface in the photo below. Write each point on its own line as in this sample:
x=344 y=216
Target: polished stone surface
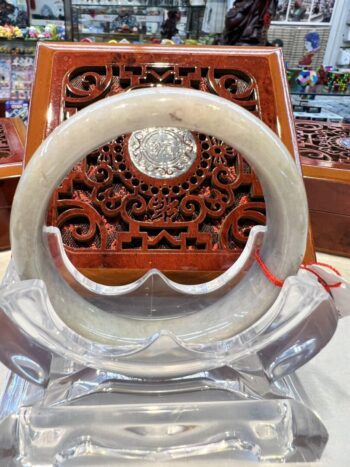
x=339 y=262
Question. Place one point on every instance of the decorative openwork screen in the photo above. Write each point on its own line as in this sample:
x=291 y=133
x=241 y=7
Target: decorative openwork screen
x=182 y=201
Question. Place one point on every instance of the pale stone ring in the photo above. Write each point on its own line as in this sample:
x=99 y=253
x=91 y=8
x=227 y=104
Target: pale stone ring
x=203 y=313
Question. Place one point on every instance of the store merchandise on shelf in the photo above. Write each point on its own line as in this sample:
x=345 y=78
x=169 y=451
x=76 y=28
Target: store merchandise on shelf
x=16 y=77
x=323 y=80
x=135 y=21
x=311 y=89
x=47 y=32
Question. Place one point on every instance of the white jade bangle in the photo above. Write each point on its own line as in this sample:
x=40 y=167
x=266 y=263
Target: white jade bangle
x=212 y=316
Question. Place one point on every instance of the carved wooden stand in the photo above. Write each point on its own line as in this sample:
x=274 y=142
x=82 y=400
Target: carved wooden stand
x=325 y=154
x=12 y=135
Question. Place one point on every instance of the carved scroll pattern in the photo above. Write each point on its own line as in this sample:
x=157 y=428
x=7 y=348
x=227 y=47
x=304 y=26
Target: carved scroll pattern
x=324 y=141
x=5 y=151
x=107 y=204
x=83 y=87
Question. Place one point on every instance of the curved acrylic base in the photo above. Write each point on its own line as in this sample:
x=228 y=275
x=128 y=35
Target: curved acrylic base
x=245 y=411
x=294 y=329
x=97 y=418
x=112 y=434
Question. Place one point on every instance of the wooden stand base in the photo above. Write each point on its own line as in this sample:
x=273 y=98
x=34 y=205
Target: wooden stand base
x=329 y=203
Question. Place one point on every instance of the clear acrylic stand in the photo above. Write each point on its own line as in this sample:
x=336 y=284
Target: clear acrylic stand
x=73 y=407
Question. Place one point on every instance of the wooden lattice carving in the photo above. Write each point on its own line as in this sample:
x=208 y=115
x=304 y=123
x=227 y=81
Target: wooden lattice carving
x=325 y=143
x=5 y=151
x=11 y=144
x=12 y=132
x=86 y=85
x=325 y=153
x=112 y=214
x=107 y=204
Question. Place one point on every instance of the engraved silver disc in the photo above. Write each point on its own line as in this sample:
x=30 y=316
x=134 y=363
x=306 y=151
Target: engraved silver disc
x=345 y=142
x=162 y=152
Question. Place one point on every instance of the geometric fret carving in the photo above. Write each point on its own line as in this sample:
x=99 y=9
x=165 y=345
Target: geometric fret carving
x=107 y=204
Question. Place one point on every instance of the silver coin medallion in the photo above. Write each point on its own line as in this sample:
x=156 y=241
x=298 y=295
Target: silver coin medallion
x=162 y=152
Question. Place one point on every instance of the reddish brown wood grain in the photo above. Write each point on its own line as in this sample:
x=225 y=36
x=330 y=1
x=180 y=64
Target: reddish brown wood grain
x=12 y=135
x=332 y=232
x=325 y=157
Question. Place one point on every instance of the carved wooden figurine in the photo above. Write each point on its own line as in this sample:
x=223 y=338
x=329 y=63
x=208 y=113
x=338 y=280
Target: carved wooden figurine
x=248 y=21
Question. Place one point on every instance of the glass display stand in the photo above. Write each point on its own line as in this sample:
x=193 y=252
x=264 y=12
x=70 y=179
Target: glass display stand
x=157 y=371
x=96 y=418
x=252 y=409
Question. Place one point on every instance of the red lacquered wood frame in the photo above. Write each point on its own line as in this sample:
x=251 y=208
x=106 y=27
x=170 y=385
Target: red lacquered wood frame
x=325 y=155
x=12 y=135
x=86 y=206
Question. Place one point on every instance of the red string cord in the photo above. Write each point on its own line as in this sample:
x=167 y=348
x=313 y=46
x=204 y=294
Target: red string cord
x=275 y=280
x=279 y=282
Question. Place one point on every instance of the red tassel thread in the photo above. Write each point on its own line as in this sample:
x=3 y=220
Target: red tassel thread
x=279 y=282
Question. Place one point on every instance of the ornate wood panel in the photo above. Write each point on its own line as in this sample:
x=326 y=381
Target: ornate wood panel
x=11 y=144
x=109 y=207
x=325 y=154
x=12 y=133
x=324 y=144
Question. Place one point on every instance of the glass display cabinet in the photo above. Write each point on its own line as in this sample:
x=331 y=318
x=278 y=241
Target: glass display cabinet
x=134 y=20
